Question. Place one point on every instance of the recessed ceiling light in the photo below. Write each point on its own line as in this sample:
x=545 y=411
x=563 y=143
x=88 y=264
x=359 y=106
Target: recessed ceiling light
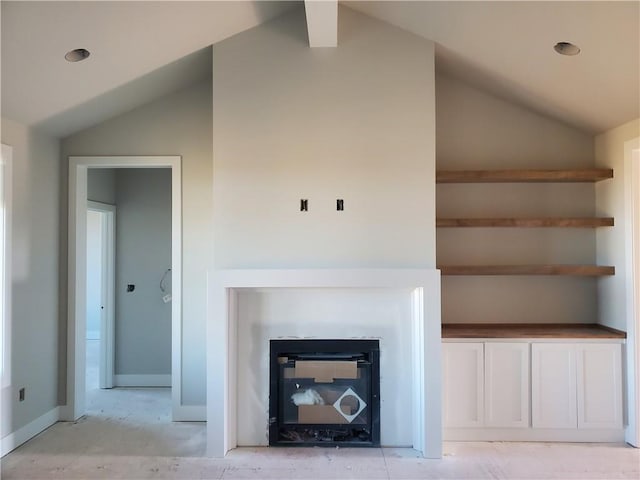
x=566 y=48
x=77 y=55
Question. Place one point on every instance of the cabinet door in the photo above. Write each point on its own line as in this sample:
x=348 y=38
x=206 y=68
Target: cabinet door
x=553 y=385
x=463 y=382
x=506 y=373
x=599 y=385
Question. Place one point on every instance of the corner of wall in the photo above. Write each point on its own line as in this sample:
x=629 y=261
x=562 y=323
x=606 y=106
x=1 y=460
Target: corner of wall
x=609 y=150
x=36 y=266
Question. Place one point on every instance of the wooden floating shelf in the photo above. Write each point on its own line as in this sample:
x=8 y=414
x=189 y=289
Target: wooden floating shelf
x=525 y=222
x=575 y=270
x=516 y=176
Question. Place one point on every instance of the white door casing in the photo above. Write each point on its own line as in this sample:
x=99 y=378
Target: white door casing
x=632 y=286
x=5 y=271
x=635 y=369
x=76 y=321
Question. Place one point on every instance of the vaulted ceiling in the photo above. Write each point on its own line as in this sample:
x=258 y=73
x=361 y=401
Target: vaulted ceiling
x=145 y=49
x=506 y=47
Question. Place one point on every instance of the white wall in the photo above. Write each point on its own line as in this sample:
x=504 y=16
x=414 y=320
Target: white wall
x=143 y=253
x=610 y=196
x=355 y=122
x=178 y=124
x=477 y=131
x=36 y=203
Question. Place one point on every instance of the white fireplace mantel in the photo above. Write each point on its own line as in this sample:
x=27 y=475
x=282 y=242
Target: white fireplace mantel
x=222 y=341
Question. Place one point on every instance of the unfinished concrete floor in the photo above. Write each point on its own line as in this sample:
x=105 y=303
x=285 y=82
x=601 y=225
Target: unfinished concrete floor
x=127 y=434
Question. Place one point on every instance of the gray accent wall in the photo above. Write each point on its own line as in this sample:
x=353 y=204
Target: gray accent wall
x=101 y=185
x=143 y=253
x=177 y=124
x=35 y=264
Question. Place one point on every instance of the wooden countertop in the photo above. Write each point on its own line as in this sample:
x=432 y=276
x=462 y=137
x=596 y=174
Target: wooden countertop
x=530 y=330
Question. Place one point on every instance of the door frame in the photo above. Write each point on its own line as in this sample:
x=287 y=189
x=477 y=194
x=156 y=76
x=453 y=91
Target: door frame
x=6 y=164
x=77 y=246
x=107 y=290
x=632 y=286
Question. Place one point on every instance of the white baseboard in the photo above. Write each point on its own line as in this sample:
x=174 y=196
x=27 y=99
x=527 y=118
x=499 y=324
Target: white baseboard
x=190 y=413
x=30 y=430
x=142 y=380
x=66 y=414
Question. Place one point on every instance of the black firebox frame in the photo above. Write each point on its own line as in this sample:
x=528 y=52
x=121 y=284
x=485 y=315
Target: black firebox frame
x=366 y=352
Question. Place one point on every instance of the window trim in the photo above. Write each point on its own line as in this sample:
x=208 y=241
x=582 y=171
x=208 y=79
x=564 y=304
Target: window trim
x=5 y=266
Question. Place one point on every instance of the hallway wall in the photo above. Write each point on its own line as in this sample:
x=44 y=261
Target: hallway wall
x=177 y=124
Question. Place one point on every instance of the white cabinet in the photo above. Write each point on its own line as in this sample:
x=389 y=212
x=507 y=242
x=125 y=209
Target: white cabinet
x=599 y=378
x=532 y=390
x=553 y=385
x=576 y=385
x=463 y=384
x=486 y=384
x=506 y=383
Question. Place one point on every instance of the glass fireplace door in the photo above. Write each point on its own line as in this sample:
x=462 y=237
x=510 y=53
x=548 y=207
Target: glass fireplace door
x=325 y=397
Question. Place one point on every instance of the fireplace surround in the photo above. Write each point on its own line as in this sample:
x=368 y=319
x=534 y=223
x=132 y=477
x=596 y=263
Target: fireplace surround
x=422 y=324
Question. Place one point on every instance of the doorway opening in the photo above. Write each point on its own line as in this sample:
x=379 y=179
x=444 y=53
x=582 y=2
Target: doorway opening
x=79 y=207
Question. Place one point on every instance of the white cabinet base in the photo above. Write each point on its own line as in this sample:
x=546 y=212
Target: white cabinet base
x=553 y=386
x=487 y=434
x=463 y=384
x=571 y=389
x=506 y=378
x=599 y=373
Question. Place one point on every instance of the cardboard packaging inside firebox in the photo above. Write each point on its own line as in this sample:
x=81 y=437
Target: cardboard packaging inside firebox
x=324 y=373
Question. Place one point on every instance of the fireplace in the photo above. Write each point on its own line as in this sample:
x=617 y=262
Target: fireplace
x=324 y=393
x=247 y=308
